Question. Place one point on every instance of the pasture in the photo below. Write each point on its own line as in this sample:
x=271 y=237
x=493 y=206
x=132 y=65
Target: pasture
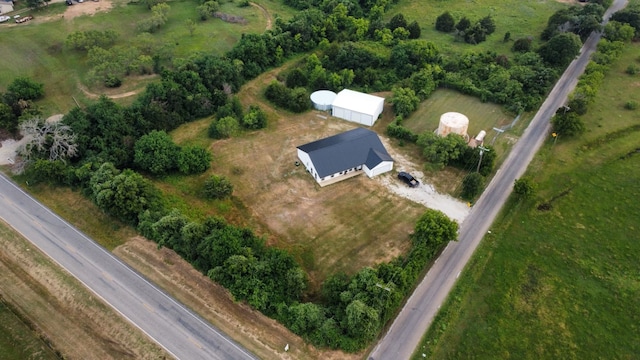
x=558 y=276
x=520 y=18
x=36 y=49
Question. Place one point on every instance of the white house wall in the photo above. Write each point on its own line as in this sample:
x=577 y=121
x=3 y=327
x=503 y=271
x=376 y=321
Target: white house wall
x=308 y=164
x=382 y=168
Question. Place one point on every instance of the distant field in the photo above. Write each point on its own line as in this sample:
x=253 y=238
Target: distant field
x=520 y=18
x=562 y=283
x=36 y=49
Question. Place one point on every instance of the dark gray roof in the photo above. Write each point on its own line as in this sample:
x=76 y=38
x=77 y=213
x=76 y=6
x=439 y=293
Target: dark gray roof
x=345 y=151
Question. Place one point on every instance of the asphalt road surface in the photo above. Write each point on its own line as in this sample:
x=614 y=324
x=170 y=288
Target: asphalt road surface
x=404 y=335
x=178 y=330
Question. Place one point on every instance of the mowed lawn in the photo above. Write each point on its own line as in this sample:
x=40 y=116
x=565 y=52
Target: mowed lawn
x=482 y=115
x=519 y=18
x=561 y=283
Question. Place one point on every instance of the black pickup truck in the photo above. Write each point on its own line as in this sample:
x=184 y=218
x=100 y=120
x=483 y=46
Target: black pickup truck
x=407 y=178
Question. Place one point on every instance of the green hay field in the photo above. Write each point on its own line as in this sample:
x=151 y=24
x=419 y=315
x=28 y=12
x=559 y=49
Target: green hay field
x=561 y=283
x=522 y=18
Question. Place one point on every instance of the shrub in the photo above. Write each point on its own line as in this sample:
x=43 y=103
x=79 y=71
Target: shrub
x=112 y=81
x=193 y=160
x=471 y=185
x=255 y=118
x=217 y=187
x=522 y=45
x=224 y=128
x=631 y=105
x=445 y=22
x=524 y=187
x=632 y=69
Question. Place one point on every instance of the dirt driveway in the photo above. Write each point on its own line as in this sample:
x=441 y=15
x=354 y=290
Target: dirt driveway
x=88 y=7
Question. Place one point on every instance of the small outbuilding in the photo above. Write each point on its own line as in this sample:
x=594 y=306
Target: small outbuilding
x=357 y=107
x=345 y=155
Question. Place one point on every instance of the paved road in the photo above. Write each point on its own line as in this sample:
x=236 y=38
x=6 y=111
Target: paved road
x=178 y=330
x=404 y=335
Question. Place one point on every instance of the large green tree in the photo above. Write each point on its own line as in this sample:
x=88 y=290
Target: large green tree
x=156 y=153
x=404 y=100
x=23 y=88
x=125 y=194
x=561 y=49
x=567 y=123
x=441 y=150
x=434 y=229
x=471 y=185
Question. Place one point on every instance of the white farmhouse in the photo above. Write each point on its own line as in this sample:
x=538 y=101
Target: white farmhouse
x=345 y=155
x=357 y=107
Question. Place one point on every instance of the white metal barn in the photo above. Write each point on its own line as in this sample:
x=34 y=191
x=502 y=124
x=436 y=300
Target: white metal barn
x=345 y=155
x=357 y=107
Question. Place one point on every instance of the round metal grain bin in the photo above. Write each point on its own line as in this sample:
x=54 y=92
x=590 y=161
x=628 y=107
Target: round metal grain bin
x=322 y=99
x=453 y=122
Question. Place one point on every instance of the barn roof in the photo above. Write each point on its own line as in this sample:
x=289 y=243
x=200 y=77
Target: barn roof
x=345 y=151
x=357 y=101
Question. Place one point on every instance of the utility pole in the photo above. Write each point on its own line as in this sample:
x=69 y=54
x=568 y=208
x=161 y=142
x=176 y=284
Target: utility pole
x=499 y=131
x=482 y=150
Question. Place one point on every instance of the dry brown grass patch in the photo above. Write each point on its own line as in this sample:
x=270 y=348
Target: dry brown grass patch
x=64 y=312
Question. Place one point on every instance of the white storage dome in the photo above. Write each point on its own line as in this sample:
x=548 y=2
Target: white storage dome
x=322 y=99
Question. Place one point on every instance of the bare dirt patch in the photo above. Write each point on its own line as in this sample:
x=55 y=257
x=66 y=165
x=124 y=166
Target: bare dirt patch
x=8 y=150
x=118 y=93
x=87 y=7
x=62 y=310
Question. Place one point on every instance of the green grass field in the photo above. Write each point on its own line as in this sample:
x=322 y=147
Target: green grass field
x=562 y=283
x=522 y=18
x=482 y=116
x=17 y=341
x=36 y=49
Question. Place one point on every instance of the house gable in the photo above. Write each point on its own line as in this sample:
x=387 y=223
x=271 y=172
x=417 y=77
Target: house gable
x=343 y=152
